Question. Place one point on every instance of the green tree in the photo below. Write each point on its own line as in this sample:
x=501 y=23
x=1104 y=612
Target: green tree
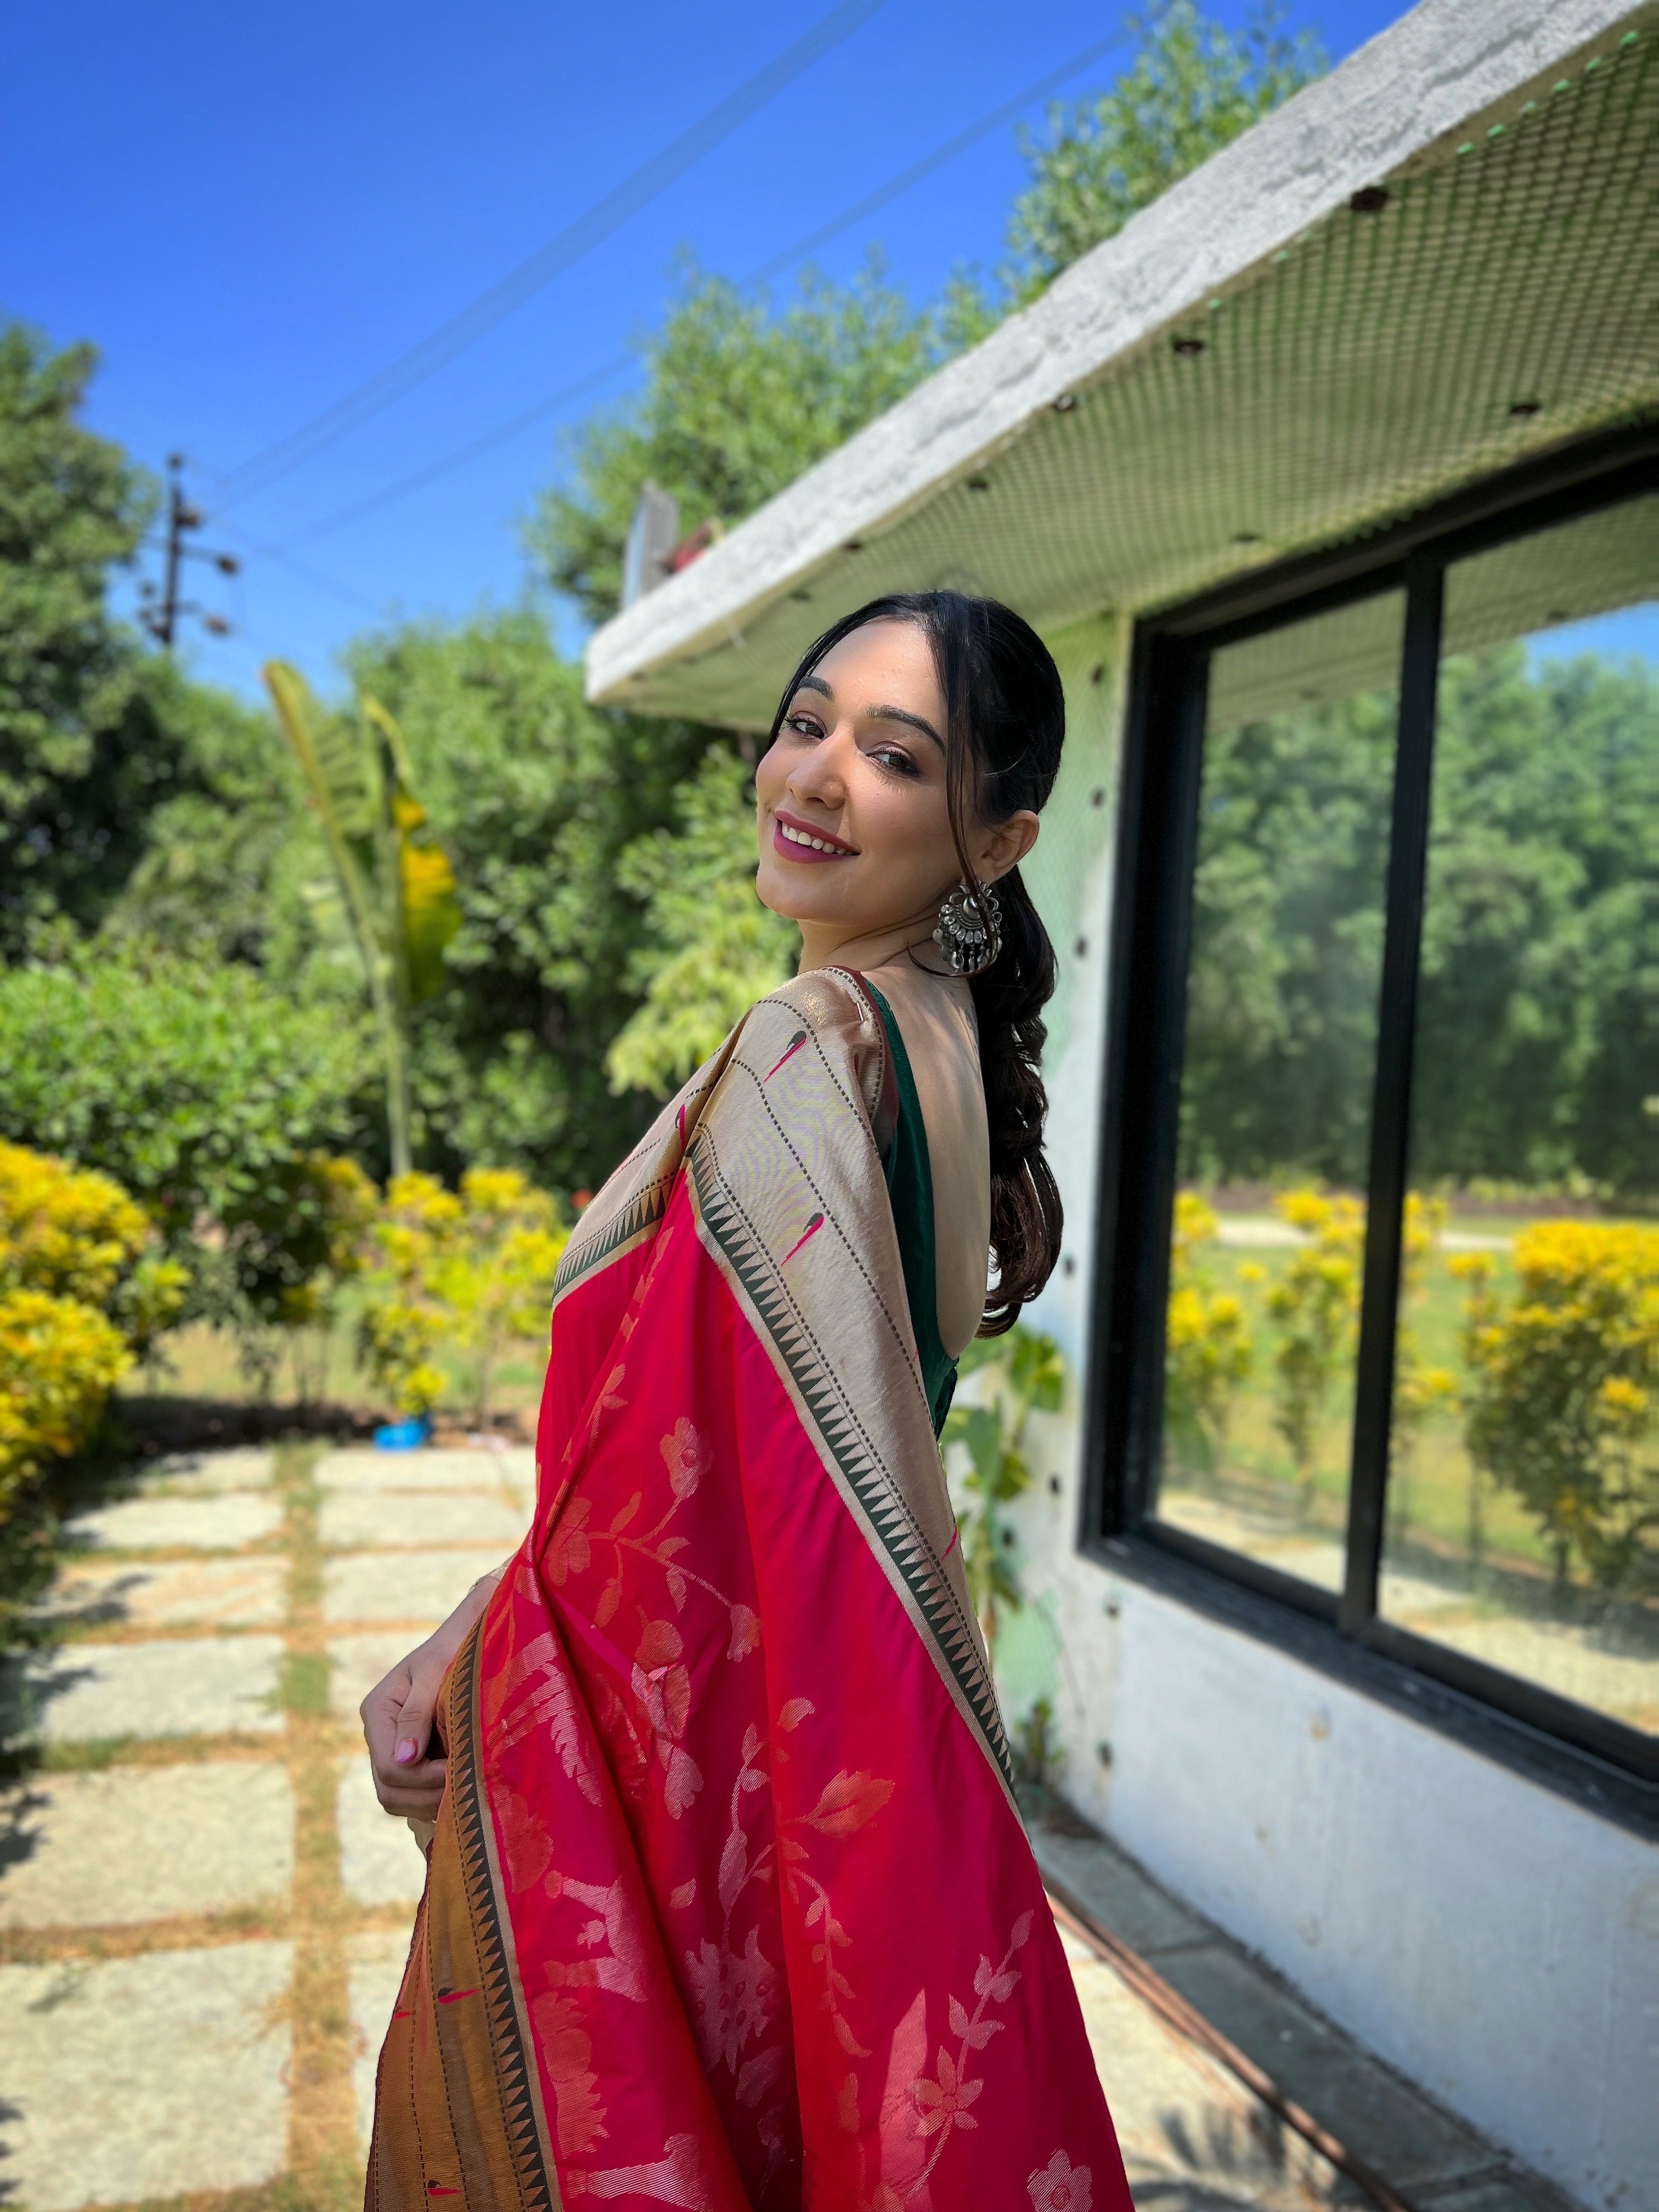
x=84 y=754
x=535 y=796
x=1538 y=1037
x=223 y=855
x=1194 y=87
x=738 y=400
x=712 y=949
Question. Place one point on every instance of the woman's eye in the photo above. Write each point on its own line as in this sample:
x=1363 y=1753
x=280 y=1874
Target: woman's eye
x=891 y=756
x=804 y=725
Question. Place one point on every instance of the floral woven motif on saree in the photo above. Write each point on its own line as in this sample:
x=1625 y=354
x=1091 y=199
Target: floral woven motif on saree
x=730 y=1903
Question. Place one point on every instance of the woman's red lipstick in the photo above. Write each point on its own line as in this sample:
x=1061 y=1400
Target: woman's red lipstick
x=839 y=850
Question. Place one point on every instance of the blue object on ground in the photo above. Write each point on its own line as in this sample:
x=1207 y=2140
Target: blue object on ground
x=402 y=1435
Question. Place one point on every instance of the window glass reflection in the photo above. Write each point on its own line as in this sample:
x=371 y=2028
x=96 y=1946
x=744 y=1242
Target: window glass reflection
x=1522 y=1521
x=1277 y=1073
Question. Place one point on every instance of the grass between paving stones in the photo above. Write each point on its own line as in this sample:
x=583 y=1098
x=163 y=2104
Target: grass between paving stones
x=325 y=2166
x=93 y=1753
x=267 y=1917
x=332 y=2187
x=158 y=1632
x=322 y=2116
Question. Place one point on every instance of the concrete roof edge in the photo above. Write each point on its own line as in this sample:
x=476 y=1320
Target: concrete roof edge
x=1452 y=59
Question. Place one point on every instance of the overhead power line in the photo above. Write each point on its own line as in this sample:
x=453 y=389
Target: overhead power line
x=1040 y=89
x=869 y=205
x=502 y=431
x=315 y=577
x=570 y=245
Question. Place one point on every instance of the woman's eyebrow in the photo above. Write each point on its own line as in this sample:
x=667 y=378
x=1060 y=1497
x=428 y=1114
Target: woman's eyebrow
x=876 y=713
x=901 y=714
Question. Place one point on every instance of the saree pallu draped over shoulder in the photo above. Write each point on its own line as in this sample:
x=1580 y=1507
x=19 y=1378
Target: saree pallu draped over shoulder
x=730 y=1903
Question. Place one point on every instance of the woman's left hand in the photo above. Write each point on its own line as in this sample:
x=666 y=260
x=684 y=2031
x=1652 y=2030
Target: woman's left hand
x=398 y=1712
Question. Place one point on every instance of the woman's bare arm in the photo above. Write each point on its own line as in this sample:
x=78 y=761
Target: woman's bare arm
x=396 y=1714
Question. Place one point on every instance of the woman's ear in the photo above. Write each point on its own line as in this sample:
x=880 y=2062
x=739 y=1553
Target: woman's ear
x=1006 y=845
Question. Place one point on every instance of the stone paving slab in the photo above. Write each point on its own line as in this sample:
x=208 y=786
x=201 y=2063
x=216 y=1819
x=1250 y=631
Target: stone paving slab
x=1505 y=2189
x=207 y=1474
x=380 y=1862
x=373 y=1473
x=223 y=1523
x=374 y=1975
x=1133 y=1907
x=1382 y=2119
x=132 y=1844
x=359 y=1661
x=1424 y=2151
x=170 y=1594
x=133 y=2078
x=189 y=1687
x=1193 y=2138
x=410 y=1586
x=434 y=1520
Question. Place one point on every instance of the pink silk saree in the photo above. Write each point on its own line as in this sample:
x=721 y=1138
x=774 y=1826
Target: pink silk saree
x=730 y=1903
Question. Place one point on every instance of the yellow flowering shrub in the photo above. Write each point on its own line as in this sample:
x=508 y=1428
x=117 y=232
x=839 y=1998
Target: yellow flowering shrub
x=83 y=1289
x=59 y=1360
x=1315 y=1303
x=1208 y=1351
x=1562 y=1402
x=472 y=1269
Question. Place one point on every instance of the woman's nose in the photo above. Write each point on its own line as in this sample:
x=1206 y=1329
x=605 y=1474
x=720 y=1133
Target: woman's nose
x=820 y=775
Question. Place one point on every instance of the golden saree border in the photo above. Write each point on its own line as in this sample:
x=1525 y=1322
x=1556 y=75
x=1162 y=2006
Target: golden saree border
x=626 y=1211
x=459 y=2044
x=784 y=1174
x=762 y=1160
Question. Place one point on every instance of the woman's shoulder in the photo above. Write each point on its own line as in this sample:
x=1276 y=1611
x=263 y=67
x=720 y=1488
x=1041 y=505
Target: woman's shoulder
x=935 y=1017
x=835 y=1009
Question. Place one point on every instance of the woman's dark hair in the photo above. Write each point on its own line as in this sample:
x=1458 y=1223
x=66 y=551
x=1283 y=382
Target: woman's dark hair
x=1005 y=726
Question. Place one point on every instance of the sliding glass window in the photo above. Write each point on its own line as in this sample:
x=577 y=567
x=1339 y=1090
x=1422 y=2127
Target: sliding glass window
x=1379 y=1330
x=1522 y=1519
x=1276 y=1082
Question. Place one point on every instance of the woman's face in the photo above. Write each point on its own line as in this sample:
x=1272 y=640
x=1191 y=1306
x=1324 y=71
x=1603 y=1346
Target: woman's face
x=854 y=828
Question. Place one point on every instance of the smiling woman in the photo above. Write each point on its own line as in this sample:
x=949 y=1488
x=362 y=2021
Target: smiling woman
x=729 y=1903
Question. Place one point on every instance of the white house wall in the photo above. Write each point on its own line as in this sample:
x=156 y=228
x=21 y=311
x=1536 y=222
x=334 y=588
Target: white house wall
x=1494 y=1941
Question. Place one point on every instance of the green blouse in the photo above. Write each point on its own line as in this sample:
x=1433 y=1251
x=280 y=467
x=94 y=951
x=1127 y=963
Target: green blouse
x=910 y=1187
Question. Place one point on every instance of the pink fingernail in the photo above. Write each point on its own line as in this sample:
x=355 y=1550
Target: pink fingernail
x=407 y=1749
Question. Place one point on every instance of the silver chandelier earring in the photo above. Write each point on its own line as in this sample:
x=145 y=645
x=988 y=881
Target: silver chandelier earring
x=969 y=932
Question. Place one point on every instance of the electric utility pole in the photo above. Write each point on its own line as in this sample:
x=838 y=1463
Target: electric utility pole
x=162 y=621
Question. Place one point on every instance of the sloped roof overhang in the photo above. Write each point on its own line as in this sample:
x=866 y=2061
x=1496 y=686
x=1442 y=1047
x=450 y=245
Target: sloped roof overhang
x=1257 y=364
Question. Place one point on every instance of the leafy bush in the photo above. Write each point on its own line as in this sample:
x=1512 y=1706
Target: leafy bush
x=83 y=1289
x=204 y=1094
x=1024 y=1374
x=473 y=1268
x=1562 y=1401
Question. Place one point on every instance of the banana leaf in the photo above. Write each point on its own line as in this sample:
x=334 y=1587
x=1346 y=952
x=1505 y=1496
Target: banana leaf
x=340 y=779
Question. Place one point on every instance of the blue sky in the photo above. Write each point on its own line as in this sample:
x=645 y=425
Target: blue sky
x=250 y=210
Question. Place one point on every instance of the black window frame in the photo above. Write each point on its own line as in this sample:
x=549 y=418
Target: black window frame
x=1600 y=1762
